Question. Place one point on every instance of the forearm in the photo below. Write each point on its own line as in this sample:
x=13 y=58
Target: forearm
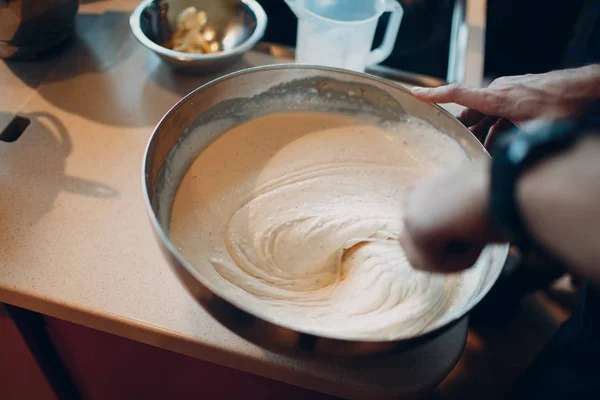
x=582 y=86
x=559 y=200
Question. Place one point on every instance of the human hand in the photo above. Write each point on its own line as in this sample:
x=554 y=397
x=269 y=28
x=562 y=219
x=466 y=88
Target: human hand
x=519 y=99
x=447 y=224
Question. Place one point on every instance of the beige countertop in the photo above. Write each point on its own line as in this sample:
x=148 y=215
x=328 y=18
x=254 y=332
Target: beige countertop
x=76 y=241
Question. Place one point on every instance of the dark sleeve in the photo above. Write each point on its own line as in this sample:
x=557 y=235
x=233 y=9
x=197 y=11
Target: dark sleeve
x=529 y=36
x=584 y=47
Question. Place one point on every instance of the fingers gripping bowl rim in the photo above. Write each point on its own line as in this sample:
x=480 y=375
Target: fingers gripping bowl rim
x=235 y=98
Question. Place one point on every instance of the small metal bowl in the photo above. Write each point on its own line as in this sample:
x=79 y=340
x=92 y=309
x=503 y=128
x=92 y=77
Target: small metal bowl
x=239 y=25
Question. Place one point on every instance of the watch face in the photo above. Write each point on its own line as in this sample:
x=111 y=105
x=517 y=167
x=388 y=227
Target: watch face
x=537 y=125
x=504 y=140
x=537 y=136
x=518 y=150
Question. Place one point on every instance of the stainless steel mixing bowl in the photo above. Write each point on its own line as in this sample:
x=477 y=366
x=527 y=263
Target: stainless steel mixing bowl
x=210 y=110
x=239 y=25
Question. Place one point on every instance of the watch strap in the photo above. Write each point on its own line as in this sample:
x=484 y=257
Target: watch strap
x=516 y=152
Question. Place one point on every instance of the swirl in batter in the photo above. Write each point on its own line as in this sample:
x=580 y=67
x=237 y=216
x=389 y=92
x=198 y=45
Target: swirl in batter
x=296 y=215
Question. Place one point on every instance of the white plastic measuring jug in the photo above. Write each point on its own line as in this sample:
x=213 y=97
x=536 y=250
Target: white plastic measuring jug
x=340 y=33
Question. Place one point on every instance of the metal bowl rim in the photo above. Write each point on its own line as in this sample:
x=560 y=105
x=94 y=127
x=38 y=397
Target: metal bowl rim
x=259 y=31
x=166 y=242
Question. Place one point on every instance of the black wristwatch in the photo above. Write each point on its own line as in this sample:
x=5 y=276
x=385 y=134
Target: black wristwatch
x=515 y=152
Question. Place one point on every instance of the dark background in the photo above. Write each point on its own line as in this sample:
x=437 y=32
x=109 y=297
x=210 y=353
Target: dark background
x=523 y=36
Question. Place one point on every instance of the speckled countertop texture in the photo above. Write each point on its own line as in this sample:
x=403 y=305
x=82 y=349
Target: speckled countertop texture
x=76 y=241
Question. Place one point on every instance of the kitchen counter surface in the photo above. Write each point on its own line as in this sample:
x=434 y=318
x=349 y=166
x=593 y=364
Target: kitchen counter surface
x=77 y=244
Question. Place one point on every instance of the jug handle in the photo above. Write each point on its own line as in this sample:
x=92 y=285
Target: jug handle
x=391 y=33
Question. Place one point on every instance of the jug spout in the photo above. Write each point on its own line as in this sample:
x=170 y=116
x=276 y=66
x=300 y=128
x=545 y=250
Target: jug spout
x=297 y=7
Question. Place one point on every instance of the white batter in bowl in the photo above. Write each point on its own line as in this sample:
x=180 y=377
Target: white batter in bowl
x=296 y=215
